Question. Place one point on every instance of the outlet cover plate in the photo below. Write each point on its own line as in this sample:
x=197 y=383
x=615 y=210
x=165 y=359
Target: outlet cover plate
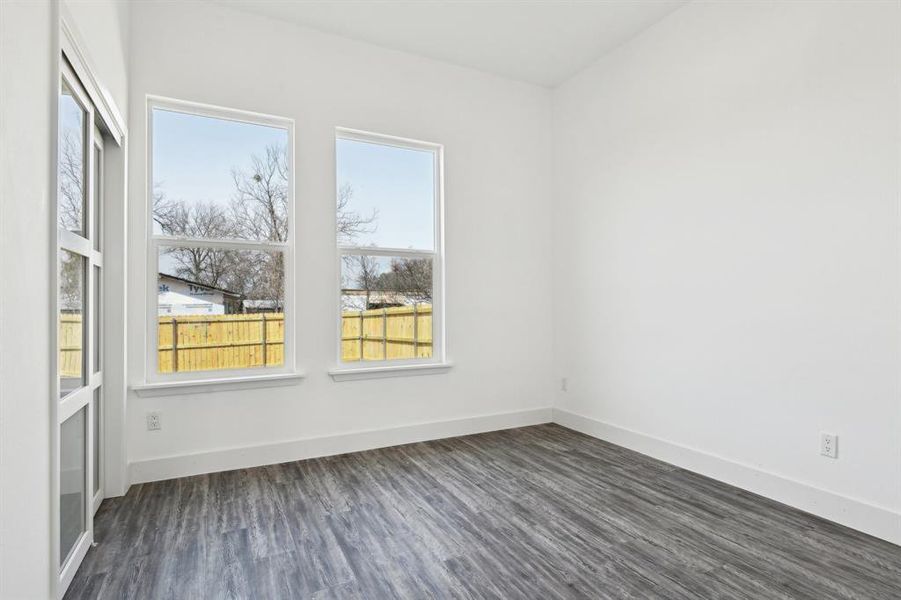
x=828 y=444
x=154 y=421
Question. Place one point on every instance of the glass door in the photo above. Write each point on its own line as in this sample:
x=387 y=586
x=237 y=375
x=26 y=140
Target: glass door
x=79 y=322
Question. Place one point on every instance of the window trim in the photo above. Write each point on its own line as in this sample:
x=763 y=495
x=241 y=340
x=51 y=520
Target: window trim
x=152 y=377
x=345 y=370
x=216 y=384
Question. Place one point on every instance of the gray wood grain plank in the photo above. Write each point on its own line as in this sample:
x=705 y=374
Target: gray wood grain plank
x=537 y=512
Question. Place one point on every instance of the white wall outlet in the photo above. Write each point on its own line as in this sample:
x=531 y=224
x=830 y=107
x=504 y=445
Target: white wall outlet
x=828 y=444
x=564 y=384
x=154 y=421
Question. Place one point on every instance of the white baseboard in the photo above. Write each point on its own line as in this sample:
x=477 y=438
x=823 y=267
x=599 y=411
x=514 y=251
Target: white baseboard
x=156 y=469
x=877 y=521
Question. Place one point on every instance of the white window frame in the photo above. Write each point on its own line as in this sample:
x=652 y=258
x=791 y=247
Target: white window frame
x=349 y=370
x=164 y=381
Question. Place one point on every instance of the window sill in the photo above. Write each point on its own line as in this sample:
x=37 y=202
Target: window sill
x=354 y=374
x=203 y=386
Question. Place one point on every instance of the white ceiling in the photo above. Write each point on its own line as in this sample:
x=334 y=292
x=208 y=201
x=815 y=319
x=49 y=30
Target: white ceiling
x=538 y=41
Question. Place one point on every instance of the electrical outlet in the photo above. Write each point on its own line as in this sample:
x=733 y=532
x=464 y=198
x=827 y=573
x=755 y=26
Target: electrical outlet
x=154 y=421
x=564 y=384
x=828 y=444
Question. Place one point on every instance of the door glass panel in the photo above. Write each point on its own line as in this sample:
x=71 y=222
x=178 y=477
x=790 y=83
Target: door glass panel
x=97 y=400
x=96 y=319
x=72 y=439
x=71 y=330
x=71 y=207
x=98 y=186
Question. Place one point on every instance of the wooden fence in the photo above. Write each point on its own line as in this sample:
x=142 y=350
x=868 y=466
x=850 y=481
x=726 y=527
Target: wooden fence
x=70 y=345
x=209 y=342
x=387 y=333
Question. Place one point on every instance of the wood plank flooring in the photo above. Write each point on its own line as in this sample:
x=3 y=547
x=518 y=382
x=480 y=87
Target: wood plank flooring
x=539 y=512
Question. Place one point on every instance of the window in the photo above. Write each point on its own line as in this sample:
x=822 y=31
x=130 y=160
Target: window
x=388 y=225
x=221 y=196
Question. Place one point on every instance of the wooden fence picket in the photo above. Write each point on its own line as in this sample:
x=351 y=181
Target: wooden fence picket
x=204 y=342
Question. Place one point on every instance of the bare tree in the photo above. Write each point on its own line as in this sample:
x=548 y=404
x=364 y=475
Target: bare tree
x=258 y=276
x=207 y=266
x=349 y=223
x=165 y=211
x=204 y=220
x=258 y=210
x=71 y=282
x=71 y=181
x=260 y=204
x=411 y=278
x=362 y=272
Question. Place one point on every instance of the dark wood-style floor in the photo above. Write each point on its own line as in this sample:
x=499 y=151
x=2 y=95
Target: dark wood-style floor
x=539 y=512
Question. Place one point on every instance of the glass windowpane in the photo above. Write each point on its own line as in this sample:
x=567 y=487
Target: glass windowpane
x=97 y=197
x=96 y=319
x=219 y=178
x=71 y=201
x=97 y=432
x=72 y=451
x=386 y=195
x=220 y=309
x=71 y=314
x=386 y=308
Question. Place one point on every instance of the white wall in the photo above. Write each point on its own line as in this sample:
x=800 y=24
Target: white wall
x=103 y=26
x=497 y=144
x=725 y=251
x=727 y=247
x=27 y=34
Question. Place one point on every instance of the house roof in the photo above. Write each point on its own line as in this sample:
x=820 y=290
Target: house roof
x=174 y=298
x=199 y=284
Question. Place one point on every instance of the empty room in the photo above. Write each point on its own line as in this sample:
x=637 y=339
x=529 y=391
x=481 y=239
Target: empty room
x=508 y=299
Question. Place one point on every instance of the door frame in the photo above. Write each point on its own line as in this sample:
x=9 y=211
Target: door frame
x=73 y=64
x=81 y=400
x=97 y=328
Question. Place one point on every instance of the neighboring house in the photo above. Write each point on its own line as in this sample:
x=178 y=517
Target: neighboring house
x=262 y=306
x=352 y=299
x=179 y=296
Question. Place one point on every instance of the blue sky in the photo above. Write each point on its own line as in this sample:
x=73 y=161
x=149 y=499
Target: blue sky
x=399 y=183
x=193 y=158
